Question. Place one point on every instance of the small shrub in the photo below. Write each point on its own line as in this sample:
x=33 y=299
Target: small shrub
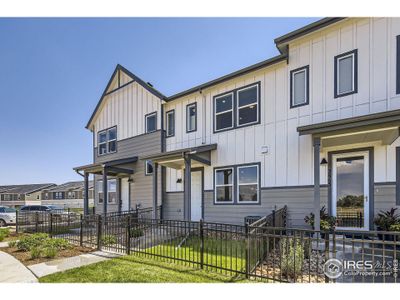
x=136 y=232
x=395 y=227
x=327 y=222
x=12 y=244
x=57 y=243
x=36 y=252
x=386 y=219
x=5 y=232
x=292 y=257
x=108 y=240
x=29 y=242
x=2 y=237
x=50 y=252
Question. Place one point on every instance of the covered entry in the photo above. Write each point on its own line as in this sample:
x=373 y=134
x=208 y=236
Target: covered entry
x=122 y=169
x=350 y=164
x=192 y=160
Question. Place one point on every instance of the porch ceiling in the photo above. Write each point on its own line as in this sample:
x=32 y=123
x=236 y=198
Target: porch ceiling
x=380 y=127
x=200 y=156
x=119 y=167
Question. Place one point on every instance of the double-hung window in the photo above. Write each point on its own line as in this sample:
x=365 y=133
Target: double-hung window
x=299 y=87
x=247 y=105
x=111 y=191
x=346 y=74
x=247 y=187
x=107 y=141
x=170 y=115
x=191 y=117
x=224 y=182
x=223 y=107
x=151 y=122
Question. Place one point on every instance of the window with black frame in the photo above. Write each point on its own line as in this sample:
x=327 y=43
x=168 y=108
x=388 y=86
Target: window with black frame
x=224 y=182
x=151 y=122
x=107 y=141
x=170 y=115
x=223 y=107
x=247 y=106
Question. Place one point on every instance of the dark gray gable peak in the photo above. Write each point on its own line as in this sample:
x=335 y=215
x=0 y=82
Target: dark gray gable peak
x=114 y=75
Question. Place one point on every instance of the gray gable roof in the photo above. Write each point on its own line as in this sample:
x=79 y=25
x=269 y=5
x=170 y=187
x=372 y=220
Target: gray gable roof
x=70 y=186
x=25 y=188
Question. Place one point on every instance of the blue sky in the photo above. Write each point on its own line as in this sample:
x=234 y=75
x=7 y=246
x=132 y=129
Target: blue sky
x=53 y=72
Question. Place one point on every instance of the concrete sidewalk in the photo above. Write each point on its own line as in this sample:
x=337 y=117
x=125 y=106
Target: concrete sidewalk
x=64 y=264
x=12 y=271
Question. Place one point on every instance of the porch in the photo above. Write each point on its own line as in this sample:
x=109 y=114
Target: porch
x=347 y=147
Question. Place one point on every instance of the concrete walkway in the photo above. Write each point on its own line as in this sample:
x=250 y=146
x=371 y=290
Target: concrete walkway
x=64 y=264
x=12 y=271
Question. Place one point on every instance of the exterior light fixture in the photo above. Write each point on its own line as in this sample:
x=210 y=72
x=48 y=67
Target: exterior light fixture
x=324 y=161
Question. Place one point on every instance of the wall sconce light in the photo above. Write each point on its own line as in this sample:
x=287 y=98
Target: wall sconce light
x=179 y=180
x=130 y=180
x=324 y=161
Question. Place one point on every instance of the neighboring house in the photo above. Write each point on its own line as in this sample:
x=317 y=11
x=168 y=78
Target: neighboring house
x=68 y=195
x=24 y=194
x=317 y=125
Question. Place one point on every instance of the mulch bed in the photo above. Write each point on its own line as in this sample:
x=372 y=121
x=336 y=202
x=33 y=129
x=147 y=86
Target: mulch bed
x=14 y=236
x=25 y=257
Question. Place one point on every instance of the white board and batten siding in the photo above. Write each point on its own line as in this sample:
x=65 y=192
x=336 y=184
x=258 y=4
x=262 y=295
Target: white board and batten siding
x=289 y=159
x=126 y=108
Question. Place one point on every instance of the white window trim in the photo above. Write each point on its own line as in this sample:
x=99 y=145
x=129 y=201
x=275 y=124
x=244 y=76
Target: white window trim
x=145 y=122
x=223 y=112
x=145 y=167
x=352 y=71
x=188 y=116
x=248 y=183
x=223 y=185
x=305 y=87
x=172 y=112
x=257 y=102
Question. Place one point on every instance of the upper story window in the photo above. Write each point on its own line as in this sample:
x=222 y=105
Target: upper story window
x=151 y=122
x=346 y=74
x=248 y=190
x=223 y=107
x=170 y=115
x=191 y=117
x=299 y=87
x=247 y=105
x=224 y=179
x=237 y=108
x=148 y=167
x=107 y=141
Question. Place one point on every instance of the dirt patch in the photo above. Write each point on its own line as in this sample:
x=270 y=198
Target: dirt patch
x=25 y=257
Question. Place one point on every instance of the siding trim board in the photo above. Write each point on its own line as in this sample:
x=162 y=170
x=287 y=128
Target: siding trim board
x=398 y=64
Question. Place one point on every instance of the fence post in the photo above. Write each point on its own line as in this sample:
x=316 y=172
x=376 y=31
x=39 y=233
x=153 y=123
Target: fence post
x=128 y=235
x=81 y=232
x=201 y=243
x=98 y=232
x=16 y=221
x=326 y=252
x=36 y=221
x=51 y=225
x=273 y=218
x=69 y=218
x=247 y=251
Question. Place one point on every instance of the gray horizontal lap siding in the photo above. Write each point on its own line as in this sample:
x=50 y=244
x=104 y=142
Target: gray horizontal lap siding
x=142 y=186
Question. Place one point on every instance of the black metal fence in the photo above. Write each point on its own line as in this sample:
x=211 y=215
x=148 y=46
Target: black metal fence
x=258 y=251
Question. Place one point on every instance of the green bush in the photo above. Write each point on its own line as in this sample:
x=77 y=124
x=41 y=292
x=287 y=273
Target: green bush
x=108 y=240
x=292 y=257
x=395 y=227
x=50 y=252
x=57 y=243
x=36 y=252
x=135 y=232
x=12 y=244
x=5 y=232
x=35 y=240
x=2 y=237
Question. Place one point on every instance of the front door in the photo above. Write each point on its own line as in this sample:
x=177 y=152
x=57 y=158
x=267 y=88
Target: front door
x=350 y=190
x=124 y=194
x=196 y=195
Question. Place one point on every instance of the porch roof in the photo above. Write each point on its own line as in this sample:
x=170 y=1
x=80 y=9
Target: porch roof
x=200 y=155
x=383 y=127
x=113 y=167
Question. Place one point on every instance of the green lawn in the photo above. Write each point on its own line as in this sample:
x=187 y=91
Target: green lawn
x=138 y=269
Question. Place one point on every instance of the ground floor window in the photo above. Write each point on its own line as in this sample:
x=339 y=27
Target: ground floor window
x=111 y=191
x=237 y=184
